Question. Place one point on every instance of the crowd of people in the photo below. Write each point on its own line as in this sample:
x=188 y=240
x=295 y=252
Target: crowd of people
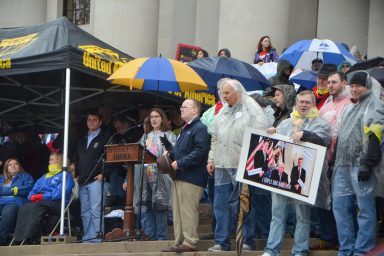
x=345 y=117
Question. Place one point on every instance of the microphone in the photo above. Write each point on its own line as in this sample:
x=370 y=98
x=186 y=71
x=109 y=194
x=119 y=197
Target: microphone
x=122 y=132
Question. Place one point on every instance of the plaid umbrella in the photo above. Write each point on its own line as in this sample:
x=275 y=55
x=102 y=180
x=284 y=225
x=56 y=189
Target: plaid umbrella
x=243 y=212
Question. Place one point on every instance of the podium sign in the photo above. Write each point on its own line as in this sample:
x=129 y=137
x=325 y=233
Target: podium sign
x=131 y=153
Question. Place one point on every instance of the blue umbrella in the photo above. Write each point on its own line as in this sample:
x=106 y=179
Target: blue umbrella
x=212 y=69
x=307 y=79
x=301 y=53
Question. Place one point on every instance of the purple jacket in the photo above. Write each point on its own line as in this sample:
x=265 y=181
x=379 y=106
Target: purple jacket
x=271 y=56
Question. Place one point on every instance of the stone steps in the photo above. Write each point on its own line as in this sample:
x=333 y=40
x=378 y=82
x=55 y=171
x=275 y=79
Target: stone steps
x=133 y=248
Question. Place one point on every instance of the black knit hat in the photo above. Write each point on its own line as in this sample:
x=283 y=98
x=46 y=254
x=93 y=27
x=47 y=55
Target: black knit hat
x=327 y=69
x=359 y=78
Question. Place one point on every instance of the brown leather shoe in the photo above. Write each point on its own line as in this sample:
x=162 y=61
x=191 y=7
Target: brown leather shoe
x=170 y=249
x=185 y=248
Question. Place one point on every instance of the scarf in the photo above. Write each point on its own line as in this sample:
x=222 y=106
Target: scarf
x=297 y=119
x=53 y=169
x=321 y=96
x=312 y=113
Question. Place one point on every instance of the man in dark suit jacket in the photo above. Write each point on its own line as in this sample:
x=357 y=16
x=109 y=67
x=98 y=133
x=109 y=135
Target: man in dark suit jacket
x=297 y=173
x=89 y=175
x=279 y=174
x=260 y=161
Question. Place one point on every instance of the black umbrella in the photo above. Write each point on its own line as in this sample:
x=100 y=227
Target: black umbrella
x=366 y=64
x=212 y=69
x=378 y=74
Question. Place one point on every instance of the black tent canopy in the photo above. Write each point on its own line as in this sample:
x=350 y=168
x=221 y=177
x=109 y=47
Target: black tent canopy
x=46 y=68
x=33 y=63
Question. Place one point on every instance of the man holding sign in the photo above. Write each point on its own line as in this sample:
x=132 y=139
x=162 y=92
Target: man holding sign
x=304 y=125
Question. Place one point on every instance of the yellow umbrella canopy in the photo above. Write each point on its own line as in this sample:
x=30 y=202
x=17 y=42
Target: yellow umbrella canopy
x=158 y=74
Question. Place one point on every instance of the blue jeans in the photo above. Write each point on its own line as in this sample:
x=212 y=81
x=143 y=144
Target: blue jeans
x=277 y=230
x=259 y=218
x=8 y=213
x=155 y=224
x=328 y=231
x=90 y=202
x=352 y=241
x=226 y=204
x=116 y=184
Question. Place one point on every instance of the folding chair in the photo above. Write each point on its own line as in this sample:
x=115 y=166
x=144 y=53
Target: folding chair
x=66 y=211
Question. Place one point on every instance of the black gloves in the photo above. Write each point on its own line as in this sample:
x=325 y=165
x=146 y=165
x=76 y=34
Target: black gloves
x=371 y=158
x=364 y=173
x=164 y=140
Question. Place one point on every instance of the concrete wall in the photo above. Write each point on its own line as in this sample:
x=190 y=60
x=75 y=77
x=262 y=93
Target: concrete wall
x=177 y=24
x=243 y=23
x=207 y=25
x=165 y=26
x=19 y=13
x=149 y=27
x=54 y=9
x=344 y=21
x=131 y=26
x=376 y=29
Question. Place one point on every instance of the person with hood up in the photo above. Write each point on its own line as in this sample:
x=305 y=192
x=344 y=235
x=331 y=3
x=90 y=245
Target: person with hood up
x=344 y=66
x=358 y=154
x=304 y=125
x=284 y=70
x=285 y=96
x=239 y=111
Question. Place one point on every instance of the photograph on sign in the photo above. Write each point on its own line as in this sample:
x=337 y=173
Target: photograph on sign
x=273 y=162
x=186 y=52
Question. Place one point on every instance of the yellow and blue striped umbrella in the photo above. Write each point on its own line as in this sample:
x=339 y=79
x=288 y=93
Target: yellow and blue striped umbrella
x=158 y=74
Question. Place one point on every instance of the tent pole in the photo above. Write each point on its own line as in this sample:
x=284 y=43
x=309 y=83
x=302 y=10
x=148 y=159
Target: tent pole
x=65 y=147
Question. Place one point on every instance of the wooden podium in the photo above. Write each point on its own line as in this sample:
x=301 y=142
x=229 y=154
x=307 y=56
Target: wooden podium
x=131 y=154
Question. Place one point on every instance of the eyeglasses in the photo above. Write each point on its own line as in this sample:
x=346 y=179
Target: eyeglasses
x=304 y=102
x=153 y=117
x=183 y=107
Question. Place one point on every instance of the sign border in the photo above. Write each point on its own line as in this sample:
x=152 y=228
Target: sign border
x=317 y=170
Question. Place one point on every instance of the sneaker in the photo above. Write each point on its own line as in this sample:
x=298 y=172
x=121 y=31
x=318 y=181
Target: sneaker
x=247 y=247
x=266 y=254
x=216 y=248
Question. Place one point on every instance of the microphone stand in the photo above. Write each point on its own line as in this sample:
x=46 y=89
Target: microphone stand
x=138 y=234
x=100 y=233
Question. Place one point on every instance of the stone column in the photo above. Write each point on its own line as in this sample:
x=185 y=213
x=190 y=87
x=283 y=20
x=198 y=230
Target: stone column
x=20 y=13
x=130 y=26
x=376 y=29
x=344 y=21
